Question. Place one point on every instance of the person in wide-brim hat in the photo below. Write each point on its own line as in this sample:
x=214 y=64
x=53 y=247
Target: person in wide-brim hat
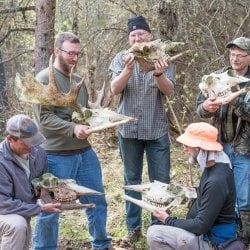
x=211 y=219
x=201 y=135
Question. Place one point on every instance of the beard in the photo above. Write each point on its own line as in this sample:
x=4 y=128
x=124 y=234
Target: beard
x=65 y=66
x=192 y=160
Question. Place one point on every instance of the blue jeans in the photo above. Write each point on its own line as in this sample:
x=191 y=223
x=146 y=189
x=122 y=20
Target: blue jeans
x=85 y=169
x=158 y=161
x=241 y=169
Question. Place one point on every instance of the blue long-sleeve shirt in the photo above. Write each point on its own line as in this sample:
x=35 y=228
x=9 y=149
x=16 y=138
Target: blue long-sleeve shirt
x=16 y=192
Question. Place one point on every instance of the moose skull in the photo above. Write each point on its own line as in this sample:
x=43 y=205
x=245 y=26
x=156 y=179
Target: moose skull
x=158 y=195
x=28 y=89
x=51 y=189
x=147 y=53
x=223 y=87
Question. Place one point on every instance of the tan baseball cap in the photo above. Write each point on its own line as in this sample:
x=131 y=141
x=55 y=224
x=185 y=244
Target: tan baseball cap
x=240 y=42
x=23 y=128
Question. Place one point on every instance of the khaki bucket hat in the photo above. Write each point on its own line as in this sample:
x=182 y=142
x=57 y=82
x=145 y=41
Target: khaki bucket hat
x=201 y=135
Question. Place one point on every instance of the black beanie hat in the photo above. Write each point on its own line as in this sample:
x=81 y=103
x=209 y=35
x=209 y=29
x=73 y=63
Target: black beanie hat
x=138 y=22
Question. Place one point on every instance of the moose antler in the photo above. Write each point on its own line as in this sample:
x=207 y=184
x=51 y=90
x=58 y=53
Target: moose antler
x=28 y=89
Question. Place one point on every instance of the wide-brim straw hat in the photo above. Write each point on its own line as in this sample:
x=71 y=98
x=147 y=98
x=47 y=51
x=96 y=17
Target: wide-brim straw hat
x=201 y=135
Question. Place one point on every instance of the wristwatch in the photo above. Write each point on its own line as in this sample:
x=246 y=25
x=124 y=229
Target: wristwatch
x=157 y=75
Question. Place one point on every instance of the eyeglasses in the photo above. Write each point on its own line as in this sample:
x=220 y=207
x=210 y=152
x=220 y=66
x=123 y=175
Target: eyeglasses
x=239 y=56
x=71 y=53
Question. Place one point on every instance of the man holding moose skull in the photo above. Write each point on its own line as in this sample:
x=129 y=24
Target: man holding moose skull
x=233 y=122
x=70 y=155
x=142 y=96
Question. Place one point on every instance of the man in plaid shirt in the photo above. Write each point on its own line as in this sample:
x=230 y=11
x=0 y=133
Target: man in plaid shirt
x=142 y=95
x=233 y=122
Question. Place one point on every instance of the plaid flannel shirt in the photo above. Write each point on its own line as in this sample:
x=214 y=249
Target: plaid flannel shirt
x=141 y=99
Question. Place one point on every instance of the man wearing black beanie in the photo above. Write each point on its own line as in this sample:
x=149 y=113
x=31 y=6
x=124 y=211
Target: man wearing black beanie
x=142 y=97
x=136 y=23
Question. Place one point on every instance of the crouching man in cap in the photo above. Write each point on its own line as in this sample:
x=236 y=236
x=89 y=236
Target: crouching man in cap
x=21 y=160
x=211 y=219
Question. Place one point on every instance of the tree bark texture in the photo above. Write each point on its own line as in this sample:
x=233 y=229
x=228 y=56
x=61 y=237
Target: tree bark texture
x=45 y=22
x=3 y=92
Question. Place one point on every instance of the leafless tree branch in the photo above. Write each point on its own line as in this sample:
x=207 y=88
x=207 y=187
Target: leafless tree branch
x=14 y=30
x=243 y=21
x=17 y=55
x=125 y=6
x=13 y=10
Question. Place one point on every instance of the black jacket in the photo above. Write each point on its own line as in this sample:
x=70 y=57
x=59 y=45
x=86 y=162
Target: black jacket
x=215 y=203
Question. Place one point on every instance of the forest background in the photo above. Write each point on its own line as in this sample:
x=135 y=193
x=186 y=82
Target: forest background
x=27 y=31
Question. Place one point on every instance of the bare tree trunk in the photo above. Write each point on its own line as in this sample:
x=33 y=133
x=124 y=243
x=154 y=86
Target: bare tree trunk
x=45 y=19
x=3 y=92
x=89 y=62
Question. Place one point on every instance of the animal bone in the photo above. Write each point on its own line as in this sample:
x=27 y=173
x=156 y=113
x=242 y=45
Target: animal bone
x=161 y=196
x=99 y=119
x=51 y=189
x=221 y=87
x=147 y=53
x=28 y=89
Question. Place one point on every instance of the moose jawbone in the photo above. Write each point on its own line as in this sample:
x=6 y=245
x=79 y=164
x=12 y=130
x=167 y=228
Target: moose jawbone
x=161 y=196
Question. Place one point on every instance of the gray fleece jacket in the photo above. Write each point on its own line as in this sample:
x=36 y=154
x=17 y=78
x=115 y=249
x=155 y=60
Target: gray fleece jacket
x=16 y=192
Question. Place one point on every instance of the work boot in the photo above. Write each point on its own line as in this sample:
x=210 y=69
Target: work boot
x=131 y=237
x=245 y=232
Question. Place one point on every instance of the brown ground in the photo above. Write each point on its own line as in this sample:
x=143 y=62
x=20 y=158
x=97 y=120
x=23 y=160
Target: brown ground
x=105 y=144
x=81 y=245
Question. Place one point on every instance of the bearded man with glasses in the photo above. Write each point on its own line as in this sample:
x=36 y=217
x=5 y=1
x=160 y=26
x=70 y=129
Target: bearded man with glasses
x=233 y=122
x=70 y=155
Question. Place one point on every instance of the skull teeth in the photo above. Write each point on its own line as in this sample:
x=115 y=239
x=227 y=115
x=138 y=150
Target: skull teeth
x=154 y=202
